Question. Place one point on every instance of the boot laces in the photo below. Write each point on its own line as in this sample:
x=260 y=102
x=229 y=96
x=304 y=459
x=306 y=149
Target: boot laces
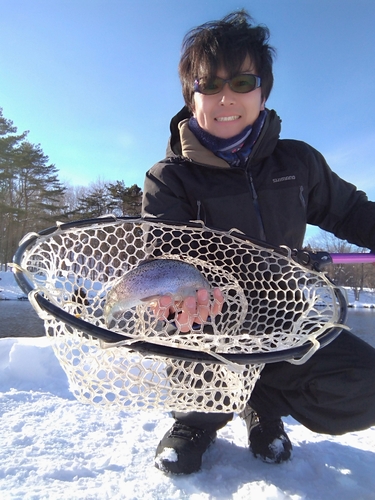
x=183 y=431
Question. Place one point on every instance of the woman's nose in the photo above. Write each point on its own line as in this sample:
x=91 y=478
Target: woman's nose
x=227 y=96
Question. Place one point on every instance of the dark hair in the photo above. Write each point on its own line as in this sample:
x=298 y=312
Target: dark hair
x=225 y=43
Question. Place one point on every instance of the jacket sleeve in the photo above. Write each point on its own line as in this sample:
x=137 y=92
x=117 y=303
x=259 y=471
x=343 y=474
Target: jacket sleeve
x=164 y=195
x=339 y=207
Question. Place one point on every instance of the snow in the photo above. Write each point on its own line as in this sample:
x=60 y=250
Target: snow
x=9 y=289
x=53 y=447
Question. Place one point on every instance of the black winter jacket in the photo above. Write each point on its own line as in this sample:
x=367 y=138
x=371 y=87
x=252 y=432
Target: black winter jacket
x=285 y=185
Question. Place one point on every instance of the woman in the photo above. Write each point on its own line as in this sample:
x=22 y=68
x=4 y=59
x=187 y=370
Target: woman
x=227 y=166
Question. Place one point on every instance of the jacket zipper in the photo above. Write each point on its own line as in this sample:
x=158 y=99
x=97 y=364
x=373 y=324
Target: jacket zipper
x=256 y=206
x=254 y=194
x=302 y=197
x=199 y=204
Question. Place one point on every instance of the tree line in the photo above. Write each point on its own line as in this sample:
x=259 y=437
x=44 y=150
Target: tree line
x=32 y=197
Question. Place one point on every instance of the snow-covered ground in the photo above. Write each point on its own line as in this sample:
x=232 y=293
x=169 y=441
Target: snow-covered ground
x=53 y=447
x=9 y=290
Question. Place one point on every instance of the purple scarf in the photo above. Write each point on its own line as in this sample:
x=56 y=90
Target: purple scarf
x=235 y=150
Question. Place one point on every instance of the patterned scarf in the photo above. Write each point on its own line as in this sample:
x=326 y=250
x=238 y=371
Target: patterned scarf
x=235 y=150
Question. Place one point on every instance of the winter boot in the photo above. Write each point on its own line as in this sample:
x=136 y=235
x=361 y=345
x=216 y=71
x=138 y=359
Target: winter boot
x=267 y=437
x=181 y=449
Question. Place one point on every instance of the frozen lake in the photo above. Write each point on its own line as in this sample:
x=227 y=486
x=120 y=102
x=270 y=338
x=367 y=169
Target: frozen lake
x=18 y=319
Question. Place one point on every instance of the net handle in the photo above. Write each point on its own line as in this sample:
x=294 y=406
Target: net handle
x=319 y=260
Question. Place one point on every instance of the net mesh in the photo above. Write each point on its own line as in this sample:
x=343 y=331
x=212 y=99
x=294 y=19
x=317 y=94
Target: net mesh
x=271 y=304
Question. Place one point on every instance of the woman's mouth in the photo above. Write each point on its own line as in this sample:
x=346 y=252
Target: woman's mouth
x=227 y=118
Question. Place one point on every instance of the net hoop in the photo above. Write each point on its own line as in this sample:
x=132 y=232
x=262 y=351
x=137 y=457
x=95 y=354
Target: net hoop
x=277 y=310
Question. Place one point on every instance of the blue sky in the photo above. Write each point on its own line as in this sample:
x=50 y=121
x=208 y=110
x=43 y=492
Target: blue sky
x=95 y=81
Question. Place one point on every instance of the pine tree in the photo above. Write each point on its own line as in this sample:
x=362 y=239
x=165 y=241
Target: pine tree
x=30 y=192
x=95 y=202
x=126 y=200
x=103 y=199
x=9 y=141
x=39 y=189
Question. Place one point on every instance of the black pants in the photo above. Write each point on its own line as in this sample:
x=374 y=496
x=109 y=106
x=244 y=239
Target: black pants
x=332 y=393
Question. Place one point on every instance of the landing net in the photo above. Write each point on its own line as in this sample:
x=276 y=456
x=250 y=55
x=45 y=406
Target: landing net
x=274 y=309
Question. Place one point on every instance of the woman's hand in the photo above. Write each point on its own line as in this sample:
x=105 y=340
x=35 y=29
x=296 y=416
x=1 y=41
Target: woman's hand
x=191 y=310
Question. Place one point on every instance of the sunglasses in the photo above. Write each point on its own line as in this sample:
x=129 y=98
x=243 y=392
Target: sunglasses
x=240 y=83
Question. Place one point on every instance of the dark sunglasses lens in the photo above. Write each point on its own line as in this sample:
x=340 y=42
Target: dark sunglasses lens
x=240 y=84
x=208 y=87
x=243 y=83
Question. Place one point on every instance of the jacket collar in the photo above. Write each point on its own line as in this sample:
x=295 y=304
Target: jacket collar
x=182 y=141
x=191 y=148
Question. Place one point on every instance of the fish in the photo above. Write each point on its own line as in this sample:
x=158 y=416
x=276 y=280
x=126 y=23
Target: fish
x=148 y=281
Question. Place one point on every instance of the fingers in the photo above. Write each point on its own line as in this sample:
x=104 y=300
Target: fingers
x=192 y=310
x=163 y=307
x=203 y=306
x=195 y=310
x=218 y=302
x=187 y=317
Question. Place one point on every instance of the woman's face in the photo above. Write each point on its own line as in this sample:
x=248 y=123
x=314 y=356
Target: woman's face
x=227 y=113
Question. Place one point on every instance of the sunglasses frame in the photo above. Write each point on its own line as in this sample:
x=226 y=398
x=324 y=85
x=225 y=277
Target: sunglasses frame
x=258 y=83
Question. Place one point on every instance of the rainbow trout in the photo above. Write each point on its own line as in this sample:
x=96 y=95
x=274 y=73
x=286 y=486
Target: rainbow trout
x=150 y=280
